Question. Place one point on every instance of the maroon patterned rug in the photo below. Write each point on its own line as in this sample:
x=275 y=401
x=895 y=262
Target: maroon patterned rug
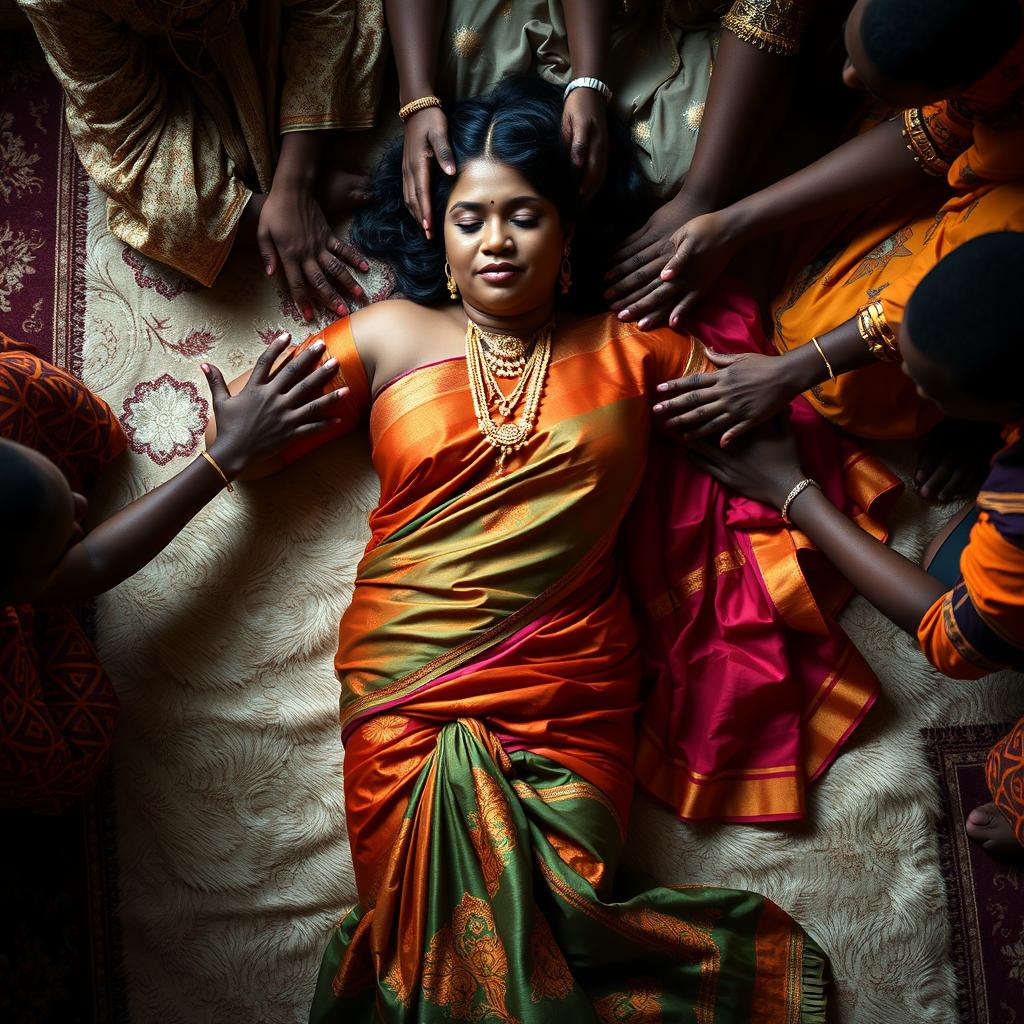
x=58 y=944
x=985 y=897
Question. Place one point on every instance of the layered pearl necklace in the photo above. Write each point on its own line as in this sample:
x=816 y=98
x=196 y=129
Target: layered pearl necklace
x=489 y=356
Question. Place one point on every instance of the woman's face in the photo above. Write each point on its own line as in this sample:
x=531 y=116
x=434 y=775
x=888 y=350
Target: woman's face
x=504 y=241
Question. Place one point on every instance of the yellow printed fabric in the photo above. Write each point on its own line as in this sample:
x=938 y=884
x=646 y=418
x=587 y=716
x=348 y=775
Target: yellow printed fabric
x=177 y=120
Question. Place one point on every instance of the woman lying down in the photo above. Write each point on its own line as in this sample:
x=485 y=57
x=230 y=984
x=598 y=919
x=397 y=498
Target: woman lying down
x=554 y=602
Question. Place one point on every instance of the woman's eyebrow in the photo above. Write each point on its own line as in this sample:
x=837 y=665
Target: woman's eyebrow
x=514 y=201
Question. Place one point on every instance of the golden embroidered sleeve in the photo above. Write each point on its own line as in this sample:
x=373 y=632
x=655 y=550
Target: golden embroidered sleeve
x=172 y=192
x=332 y=60
x=937 y=134
x=773 y=25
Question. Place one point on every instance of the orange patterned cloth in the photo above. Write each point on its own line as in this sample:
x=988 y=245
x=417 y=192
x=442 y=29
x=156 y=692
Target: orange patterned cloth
x=976 y=140
x=978 y=627
x=57 y=707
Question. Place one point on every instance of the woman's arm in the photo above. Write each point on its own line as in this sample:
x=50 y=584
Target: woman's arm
x=268 y=413
x=868 y=168
x=584 y=117
x=765 y=466
x=415 y=30
x=745 y=97
x=749 y=388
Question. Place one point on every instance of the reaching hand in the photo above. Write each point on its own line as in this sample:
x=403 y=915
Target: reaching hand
x=703 y=248
x=764 y=465
x=426 y=138
x=273 y=408
x=293 y=234
x=585 y=132
x=637 y=264
x=745 y=390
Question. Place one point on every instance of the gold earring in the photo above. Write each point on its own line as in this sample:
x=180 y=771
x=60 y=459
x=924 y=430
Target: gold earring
x=565 y=277
x=453 y=288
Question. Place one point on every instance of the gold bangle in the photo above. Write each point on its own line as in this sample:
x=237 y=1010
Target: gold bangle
x=879 y=337
x=821 y=352
x=213 y=462
x=415 y=106
x=795 y=493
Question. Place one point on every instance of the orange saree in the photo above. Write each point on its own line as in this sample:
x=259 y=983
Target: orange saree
x=492 y=664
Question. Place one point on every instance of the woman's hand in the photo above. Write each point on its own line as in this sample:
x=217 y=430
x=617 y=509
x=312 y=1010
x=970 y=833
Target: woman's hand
x=293 y=234
x=638 y=262
x=273 y=408
x=746 y=389
x=764 y=465
x=426 y=139
x=585 y=132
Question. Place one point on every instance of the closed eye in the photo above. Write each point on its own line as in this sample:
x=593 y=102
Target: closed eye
x=468 y=227
x=526 y=222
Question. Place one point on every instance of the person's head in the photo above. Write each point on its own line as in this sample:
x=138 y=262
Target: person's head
x=514 y=200
x=962 y=336
x=912 y=52
x=40 y=518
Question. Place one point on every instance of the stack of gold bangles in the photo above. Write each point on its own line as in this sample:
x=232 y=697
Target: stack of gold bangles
x=415 y=106
x=879 y=337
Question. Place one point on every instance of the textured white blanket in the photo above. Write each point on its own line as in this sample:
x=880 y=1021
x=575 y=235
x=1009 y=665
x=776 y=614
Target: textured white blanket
x=234 y=859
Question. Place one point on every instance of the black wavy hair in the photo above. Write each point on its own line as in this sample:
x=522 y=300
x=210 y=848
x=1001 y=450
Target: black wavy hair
x=519 y=124
x=939 y=43
x=965 y=316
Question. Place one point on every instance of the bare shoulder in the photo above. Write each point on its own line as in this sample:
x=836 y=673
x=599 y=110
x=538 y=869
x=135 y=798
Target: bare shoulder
x=391 y=336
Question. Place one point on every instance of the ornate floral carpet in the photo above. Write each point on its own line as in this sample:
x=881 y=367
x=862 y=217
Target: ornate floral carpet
x=231 y=842
x=985 y=897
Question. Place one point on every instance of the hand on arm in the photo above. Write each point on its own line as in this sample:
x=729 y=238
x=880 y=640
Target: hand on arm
x=268 y=413
x=293 y=233
x=749 y=388
x=584 y=116
x=732 y=131
x=415 y=29
x=765 y=466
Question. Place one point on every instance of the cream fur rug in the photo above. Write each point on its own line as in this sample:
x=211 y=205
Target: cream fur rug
x=234 y=858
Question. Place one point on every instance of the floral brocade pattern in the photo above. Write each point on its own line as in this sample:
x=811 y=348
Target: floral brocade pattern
x=491 y=830
x=550 y=977
x=638 y=1004
x=465 y=968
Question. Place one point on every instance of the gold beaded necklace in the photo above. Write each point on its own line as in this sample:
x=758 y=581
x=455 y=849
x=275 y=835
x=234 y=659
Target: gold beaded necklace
x=483 y=365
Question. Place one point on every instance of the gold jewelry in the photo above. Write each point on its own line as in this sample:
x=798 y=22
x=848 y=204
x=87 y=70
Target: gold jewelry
x=565 y=277
x=879 y=337
x=821 y=352
x=919 y=142
x=793 y=494
x=504 y=354
x=213 y=462
x=510 y=436
x=415 y=106
x=453 y=288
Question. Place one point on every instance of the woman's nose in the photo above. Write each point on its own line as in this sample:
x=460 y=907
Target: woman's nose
x=496 y=238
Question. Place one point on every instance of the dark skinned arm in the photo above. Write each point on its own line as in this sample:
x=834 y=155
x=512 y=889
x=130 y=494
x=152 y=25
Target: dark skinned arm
x=871 y=167
x=765 y=466
x=749 y=388
x=268 y=413
x=584 y=116
x=732 y=133
x=415 y=30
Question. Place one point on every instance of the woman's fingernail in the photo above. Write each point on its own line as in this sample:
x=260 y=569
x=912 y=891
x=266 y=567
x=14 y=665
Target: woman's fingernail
x=364 y=267
x=319 y=346
x=307 y=313
x=624 y=313
x=341 y=392
x=643 y=323
x=674 y=322
x=284 y=336
x=205 y=367
x=331 y=363
x=269 y=270
x=662 y=387
x=426 y=224
x=667 y=274
x=360 y=294
x=341 y=309
x=658 y=408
